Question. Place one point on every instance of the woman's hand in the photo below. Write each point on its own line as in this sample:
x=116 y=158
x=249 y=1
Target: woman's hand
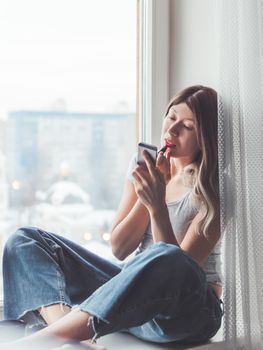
x=150 y=182
x=150 y=187
x=164 y=165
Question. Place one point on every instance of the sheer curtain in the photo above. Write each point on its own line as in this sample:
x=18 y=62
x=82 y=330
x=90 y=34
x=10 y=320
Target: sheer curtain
x=240 y=29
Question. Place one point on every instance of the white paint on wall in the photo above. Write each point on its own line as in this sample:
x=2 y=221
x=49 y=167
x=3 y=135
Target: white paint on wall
x=193 y=46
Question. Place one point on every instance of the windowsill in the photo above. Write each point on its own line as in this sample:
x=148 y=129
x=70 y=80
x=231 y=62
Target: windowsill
x=119 y=341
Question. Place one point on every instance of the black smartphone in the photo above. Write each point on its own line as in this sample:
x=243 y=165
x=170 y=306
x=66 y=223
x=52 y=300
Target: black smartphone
x=152 y=150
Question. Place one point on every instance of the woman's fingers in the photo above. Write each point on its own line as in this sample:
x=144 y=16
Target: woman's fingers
x=163 y=164
x=147 y=170
x=149 y=183
x=137 y=176
x=141 y=177
x=140 y=171
x=160 y=160
x=168 y=154
x=149 y=163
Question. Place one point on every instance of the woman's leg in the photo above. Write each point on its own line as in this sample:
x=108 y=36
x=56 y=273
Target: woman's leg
x=52 y=313
x=152 y=291
x=156 y=290
x=161 y=295
x=74 y=327
x=41 y=269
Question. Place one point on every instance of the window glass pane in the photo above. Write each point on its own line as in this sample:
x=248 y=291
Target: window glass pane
x=67 y=114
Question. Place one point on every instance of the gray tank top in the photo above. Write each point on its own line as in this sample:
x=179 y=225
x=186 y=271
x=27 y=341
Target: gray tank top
x=181 y=213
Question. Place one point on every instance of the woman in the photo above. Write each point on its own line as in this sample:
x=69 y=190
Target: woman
x=170 y=290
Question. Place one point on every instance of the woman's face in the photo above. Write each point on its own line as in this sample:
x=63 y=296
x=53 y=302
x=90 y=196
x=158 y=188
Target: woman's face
x=179 y=132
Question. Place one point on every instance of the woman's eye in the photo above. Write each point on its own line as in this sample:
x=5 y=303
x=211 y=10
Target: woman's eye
x=189 y=127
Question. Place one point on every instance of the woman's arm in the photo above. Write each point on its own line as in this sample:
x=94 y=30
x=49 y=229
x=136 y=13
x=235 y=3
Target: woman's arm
x=161 y=225
x=150 y=187
x=196 y=244
x=132 y=216
x=130 y=224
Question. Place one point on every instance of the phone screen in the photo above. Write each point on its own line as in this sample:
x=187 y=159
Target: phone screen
x=151 y=149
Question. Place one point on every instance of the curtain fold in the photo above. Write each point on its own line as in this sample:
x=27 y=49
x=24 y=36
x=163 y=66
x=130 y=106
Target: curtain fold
x=240 y=35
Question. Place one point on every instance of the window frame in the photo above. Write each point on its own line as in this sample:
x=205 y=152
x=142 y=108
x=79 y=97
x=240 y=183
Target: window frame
x=153 y=67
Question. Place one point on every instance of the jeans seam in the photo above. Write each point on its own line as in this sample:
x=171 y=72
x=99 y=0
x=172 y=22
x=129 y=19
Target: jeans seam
x=60 y=287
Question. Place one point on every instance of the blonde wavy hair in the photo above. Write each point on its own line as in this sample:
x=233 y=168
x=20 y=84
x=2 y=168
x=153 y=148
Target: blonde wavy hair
x=202 y=174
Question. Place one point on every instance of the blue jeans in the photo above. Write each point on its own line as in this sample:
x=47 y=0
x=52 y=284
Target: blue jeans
x=160 y=295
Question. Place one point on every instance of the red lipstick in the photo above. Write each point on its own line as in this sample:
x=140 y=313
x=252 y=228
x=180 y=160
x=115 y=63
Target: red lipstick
x=163 y=149
x=166 y=146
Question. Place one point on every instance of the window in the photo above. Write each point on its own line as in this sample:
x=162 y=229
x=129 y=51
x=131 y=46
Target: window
x=154 y=18
x=67 y=114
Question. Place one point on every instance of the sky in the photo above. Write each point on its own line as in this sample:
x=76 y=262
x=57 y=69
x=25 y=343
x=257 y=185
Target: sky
x=80 y=52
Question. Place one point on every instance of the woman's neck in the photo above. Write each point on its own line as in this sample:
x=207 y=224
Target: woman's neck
x=178 y=164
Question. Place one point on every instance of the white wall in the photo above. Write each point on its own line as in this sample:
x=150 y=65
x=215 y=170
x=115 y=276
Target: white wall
x=193 y=48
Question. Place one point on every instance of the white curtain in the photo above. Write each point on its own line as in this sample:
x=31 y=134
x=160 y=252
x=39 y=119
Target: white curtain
x=240 y=35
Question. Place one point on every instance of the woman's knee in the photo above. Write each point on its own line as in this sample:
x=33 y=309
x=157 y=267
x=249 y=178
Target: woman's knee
x=166 y=256
x=18 y=238
x=171 y=251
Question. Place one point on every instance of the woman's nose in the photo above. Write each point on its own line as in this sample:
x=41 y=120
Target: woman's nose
x=174 y=129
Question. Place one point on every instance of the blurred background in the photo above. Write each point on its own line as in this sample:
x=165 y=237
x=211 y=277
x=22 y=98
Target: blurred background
x=67 y=115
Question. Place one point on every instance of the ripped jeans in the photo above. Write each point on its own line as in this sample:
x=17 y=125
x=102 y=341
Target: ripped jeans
x=160 y=295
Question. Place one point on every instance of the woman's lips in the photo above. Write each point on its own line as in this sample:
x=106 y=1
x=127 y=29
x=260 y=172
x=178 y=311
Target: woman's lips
x=166 y=146
x=169 y=144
